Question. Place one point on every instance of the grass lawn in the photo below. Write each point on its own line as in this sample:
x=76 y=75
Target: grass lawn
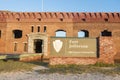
x=13 y=66
x=108 y=69
x=17 y=66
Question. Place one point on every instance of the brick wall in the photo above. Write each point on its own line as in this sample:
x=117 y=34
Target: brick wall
x=70 y=60
x=107 y=50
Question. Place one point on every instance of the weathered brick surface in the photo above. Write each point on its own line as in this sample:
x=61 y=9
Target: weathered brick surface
x=70 y=60
x=32 y=58
x=107 y=50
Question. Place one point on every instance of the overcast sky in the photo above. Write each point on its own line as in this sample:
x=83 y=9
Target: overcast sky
x=61 y=5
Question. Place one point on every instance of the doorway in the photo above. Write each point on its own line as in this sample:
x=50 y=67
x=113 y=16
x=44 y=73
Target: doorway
x=38 y=46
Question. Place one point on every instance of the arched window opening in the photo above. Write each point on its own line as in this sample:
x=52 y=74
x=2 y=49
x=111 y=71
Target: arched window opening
x=106 y=33
x=106 y=20
x=83 y=19
x=83 y=33
x=60 y=33
x=39 y=19
x=61 y=19
x=17 y=33
x=18 y=19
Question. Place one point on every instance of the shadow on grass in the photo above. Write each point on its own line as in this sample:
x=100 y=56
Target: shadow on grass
x=39 y=63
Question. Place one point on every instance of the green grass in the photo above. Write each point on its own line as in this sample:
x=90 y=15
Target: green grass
x=108 y=69
x=13 y=66
x=99 y=64
x=10 y=66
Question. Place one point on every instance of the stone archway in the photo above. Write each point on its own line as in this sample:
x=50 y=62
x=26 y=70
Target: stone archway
x=37 y=43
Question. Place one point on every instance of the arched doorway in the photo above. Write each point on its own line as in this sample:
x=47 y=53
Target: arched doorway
x=37 y=43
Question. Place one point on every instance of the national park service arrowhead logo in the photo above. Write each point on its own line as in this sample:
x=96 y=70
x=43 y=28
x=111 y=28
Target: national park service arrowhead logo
x=57 y=44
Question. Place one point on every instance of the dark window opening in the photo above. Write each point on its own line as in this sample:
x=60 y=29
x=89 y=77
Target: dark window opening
x=15 y=46
x=83 y=33
x=39 y=19
x=17 y=33
x=61 y=19
x=106 y=33
x=0 y=33
x=60 y=33
x=32 y=29
x=83 y=19
x=45 y=29
x=25 y=47
x=18 y=19
x=106 y=20
x=38 y=28
x=38 y=44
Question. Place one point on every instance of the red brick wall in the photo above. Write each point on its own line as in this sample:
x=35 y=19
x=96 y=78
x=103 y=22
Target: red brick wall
x=107 y=50
x=70 y=60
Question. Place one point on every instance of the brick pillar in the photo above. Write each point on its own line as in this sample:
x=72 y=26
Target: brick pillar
x=107 y=50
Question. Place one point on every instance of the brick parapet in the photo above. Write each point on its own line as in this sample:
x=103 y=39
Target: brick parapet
x=59 y=16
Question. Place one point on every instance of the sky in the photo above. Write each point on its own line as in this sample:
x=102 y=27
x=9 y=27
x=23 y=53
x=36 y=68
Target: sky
x=61 y=5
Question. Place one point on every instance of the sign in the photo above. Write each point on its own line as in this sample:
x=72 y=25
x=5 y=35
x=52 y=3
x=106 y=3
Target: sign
x=73 y=47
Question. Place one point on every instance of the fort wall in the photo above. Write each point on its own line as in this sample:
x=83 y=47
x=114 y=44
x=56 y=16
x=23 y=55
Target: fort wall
x=70 y=22
x=59 y=16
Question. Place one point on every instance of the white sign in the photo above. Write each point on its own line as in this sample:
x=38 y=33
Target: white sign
x=57 y=44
